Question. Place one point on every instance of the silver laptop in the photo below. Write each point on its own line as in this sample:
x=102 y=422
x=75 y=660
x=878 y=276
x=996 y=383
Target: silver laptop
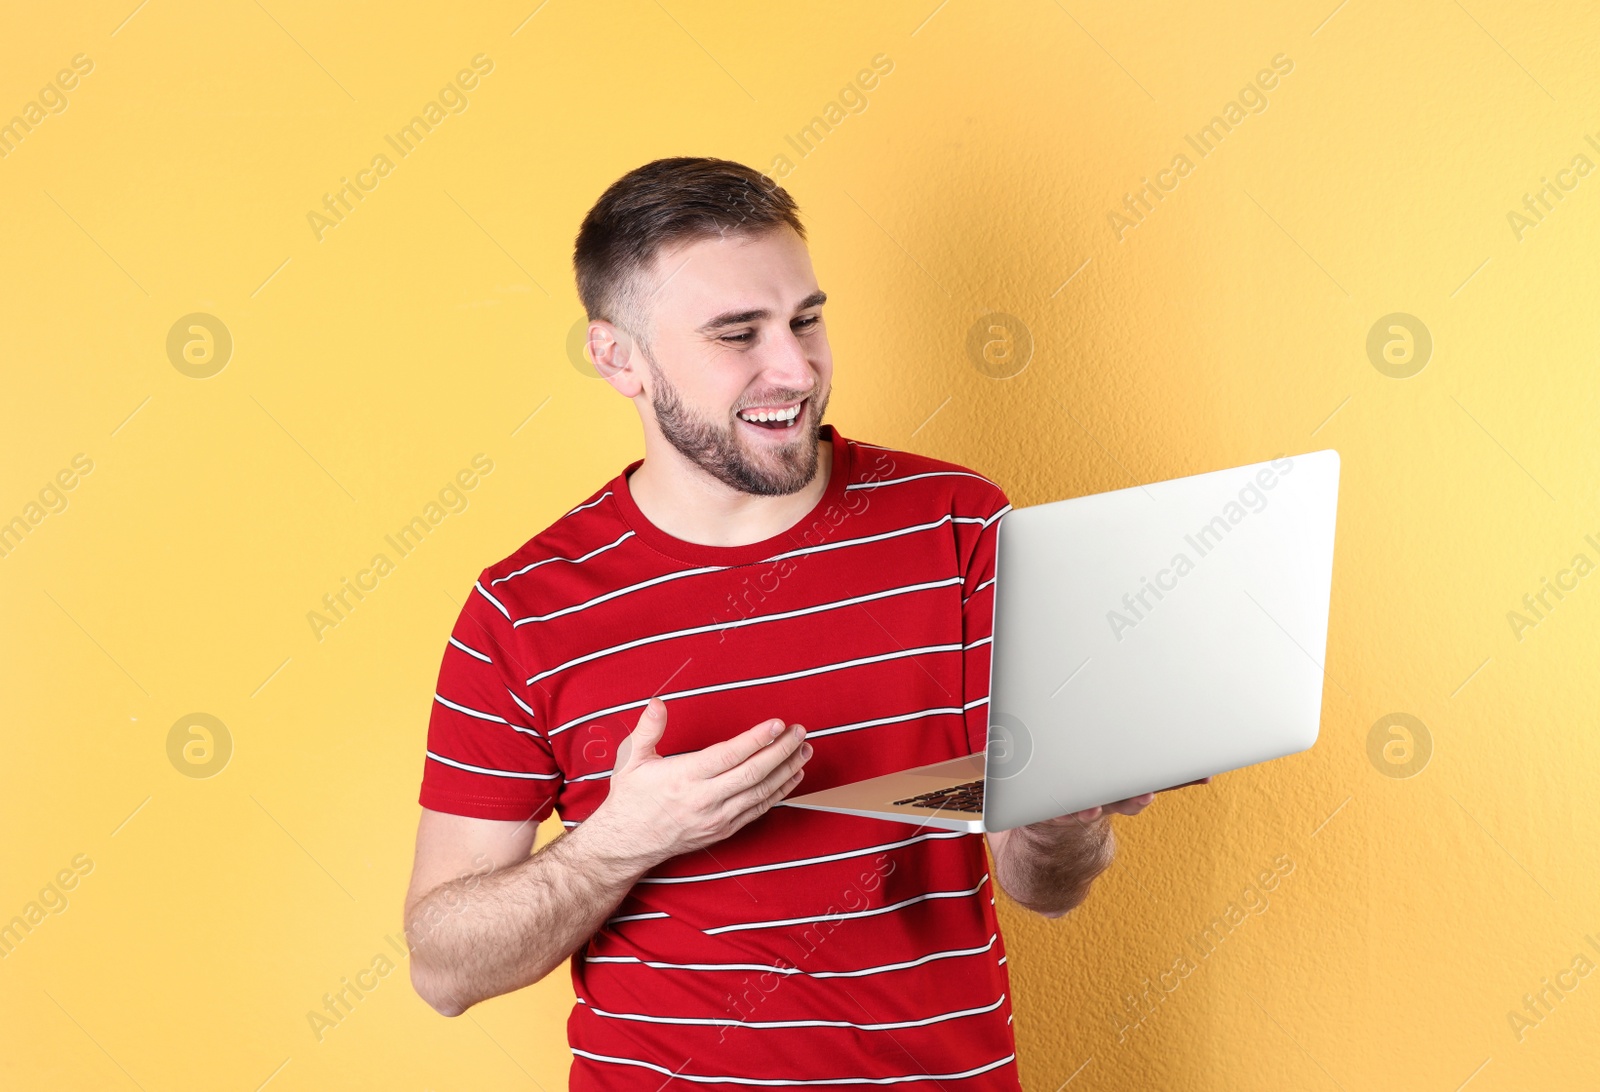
x=1143 y=639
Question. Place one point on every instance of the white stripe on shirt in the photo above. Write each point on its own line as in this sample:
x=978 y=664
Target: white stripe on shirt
x=591 y=504
x=976 y=590
x=448 y=704
x=491 y=717
x=741 y=683
x=724 y=1021
x=616 y=592
x=816 y=733
x=709 y=1079
x=492 y=772
x=474 y=653
x=802 y=860
x=845 y=916
x=914 y=477
x=524 y=705
x=568 y=560
x=950 y=953
x=754 y=620
x=684 y=573
x=896 y=718
x=639 y=917
x=478 y=585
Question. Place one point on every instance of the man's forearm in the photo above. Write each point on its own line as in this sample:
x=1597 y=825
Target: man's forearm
x=482 y=936
x=1048 y=867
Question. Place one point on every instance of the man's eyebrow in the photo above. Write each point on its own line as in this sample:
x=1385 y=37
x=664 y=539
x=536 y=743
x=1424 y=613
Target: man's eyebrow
x=735 y=318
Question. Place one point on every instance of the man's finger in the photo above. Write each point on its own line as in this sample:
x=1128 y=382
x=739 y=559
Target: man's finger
x=1186 y=784
x=719 y=758
x=759 y=766
x=1131 y=806
x=647 y=731
x=775 y=781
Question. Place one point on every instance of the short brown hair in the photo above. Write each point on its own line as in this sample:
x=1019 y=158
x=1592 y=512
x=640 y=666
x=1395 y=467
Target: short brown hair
x=662 y=202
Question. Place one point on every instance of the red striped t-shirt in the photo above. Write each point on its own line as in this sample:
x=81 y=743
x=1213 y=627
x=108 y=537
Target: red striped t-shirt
x=810 y=949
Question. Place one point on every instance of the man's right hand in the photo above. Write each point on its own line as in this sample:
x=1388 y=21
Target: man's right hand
x=661 y=806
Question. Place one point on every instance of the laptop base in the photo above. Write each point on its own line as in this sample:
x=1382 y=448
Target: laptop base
x=874 y=797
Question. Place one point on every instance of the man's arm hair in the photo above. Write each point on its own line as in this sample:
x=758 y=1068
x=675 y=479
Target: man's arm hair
x=479 y=936
x=1048 y=868
x=483 y=934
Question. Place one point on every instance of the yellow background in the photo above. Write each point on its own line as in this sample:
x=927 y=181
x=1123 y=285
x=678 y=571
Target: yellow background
x=369 y=367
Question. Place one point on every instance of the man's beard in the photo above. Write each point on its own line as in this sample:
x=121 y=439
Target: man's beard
x=719 y=451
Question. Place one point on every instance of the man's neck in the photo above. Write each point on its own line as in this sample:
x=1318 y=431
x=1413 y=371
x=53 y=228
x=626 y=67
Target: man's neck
x=690 y=505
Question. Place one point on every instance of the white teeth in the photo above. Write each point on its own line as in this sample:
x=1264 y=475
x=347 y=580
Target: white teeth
x=766 y=415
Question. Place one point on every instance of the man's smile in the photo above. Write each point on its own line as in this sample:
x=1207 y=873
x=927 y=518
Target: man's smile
x=779 y=418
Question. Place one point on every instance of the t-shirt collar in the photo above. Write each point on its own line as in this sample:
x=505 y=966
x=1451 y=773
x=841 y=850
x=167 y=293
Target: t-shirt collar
x=695 y=553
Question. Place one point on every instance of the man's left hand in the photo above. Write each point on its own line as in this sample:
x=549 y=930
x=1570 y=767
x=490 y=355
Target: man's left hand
x=1131 y=806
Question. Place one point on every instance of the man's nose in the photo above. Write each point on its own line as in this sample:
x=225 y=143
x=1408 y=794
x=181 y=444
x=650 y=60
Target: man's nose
x=787 y=366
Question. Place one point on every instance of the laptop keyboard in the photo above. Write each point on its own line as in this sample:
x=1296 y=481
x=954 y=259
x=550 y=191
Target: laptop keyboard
x=964 y=797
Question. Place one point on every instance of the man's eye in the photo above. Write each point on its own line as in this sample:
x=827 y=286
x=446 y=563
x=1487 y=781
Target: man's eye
x=741 y=339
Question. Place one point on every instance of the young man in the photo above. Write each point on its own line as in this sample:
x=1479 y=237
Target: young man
x=649 y=664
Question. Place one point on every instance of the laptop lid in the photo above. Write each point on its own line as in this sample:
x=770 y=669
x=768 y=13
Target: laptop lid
x=1157 y=634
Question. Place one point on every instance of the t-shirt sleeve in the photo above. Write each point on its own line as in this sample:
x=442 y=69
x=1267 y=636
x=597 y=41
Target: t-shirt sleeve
x=976 y=541
x=486 y=755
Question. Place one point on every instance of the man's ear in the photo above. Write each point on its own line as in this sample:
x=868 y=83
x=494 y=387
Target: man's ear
x=612 y=351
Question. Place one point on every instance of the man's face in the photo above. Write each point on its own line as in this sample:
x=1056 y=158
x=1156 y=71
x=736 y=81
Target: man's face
x=736 y=325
